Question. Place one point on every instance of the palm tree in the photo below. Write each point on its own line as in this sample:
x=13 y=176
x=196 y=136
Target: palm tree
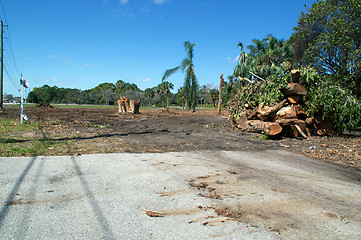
x=149 y=93
x=213 y=95
x=164 y=89
x=190 y=80
x=181 y=95
x=265 y=57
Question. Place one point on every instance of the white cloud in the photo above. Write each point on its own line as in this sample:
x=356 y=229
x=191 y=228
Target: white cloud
x=123 y=1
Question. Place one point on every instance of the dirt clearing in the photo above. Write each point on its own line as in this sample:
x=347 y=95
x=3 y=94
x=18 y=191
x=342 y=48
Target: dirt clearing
x=242 y=179
x=101 y=130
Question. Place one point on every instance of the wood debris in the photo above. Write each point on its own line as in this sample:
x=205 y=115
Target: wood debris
x=286 y=118
x=153 y=213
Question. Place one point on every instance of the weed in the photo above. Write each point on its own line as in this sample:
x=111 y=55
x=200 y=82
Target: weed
x=263 y=137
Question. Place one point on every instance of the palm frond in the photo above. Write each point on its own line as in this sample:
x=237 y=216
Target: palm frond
x=185 y=64
x=170 y=72
x=189 y=49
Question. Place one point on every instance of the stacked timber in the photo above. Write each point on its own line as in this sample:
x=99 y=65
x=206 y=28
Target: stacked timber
x=286 y=118
x=126 y=105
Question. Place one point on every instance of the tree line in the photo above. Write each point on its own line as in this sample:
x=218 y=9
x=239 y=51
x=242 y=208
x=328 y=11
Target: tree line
x=109 y=93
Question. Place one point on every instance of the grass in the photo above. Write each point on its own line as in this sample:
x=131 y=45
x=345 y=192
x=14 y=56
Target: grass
x=26 y=139
x=73 y=105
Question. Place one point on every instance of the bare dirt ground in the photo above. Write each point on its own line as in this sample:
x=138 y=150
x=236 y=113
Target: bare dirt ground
x=287 y=194
x=98 y=130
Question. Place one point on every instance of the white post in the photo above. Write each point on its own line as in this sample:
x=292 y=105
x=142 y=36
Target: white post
x=22 y=99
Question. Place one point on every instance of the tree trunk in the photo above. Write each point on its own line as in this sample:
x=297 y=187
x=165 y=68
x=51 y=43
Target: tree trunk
x=294 y=89
x=167 y=101
x=220 y=94
x=296 y=99
x=128 y=106
x=269 y=113
x=269 y=128
x=296 y=74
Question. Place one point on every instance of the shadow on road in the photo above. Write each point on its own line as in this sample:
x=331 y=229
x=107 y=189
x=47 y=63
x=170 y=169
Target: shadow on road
x=99 y=216
x=6 y=208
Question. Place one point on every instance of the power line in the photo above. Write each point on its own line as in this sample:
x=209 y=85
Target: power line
x=11 y=65
x=12 y=51
x=12 y=80
x=8 y=40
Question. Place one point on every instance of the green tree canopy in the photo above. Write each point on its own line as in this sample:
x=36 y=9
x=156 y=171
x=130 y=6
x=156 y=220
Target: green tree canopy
x=328 y=38
x=104 y=86
x=164 y=88
x=265 y=58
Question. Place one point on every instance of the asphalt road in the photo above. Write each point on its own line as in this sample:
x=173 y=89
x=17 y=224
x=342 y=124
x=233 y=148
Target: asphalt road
x=256 y=195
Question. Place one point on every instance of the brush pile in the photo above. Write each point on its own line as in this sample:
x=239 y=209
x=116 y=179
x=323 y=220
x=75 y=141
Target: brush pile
x=285 y=118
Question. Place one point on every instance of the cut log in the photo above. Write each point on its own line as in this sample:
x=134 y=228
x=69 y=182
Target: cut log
x=252 y=115
x=287 y=112
x=269 y=128
x=269 y=113
x=295 y=76
x=289 y=121
x=300 y=131
x=294 y=89
x=242 y=121
x=296 y=99
x=323 y=128
x=301 y=113
x=309 y=121
x=294 y=127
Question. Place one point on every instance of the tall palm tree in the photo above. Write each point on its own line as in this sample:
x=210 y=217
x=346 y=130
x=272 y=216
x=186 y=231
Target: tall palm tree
x=190 y=80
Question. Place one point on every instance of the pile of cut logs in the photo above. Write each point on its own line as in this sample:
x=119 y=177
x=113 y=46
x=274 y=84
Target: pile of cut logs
x=126 y=105
x=287 y=118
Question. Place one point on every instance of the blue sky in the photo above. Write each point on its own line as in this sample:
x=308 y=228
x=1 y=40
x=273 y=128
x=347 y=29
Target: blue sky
x=82 y=43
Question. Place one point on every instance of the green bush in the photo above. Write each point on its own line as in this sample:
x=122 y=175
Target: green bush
x=325 y=96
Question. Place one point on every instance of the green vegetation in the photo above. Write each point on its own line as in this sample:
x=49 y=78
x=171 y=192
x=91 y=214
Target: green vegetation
x=190 y=87
x=327 y=49
x=28 y=140
x=331 y=101
x=328 y=39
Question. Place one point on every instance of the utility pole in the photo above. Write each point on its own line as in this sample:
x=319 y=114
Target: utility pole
x=1 y=65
